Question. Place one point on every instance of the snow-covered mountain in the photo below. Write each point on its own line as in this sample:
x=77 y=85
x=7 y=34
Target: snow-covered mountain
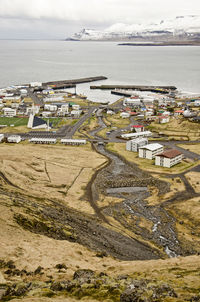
x=182 y=26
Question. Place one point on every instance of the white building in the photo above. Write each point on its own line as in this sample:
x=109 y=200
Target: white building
x=163 y=119
x=168 y=158
x=1 y=137
x=136 y=135
x=150 y=151
x=43 y=140
x=135 y=144
x=65 y=108
x=9 y=112
x=132 y=102
x=35 y=84
x=50 y=107
x=67 y=141
x=76 y=113
x=125 y=115
x=75 y=107
x=14 y=139
x=46 y=113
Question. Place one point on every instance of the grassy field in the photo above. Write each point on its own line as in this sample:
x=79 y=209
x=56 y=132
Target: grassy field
x=60 y=174
x=191 y=147
x=16 y=121
x=117 y=121
x=147 y=164
x=177 y=128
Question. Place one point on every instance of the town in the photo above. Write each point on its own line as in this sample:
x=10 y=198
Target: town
x=151 y=121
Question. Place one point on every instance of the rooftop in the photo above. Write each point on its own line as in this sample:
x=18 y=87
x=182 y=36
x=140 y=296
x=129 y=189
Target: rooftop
x=152 y=147
x=170 y=153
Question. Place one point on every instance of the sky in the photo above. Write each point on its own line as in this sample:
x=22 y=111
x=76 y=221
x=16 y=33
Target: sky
x=58 y=19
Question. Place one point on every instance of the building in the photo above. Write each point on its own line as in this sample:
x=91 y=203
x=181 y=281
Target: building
x=135 y=144
x=35 y=122
x=163 y=119
x=69 y=141
x=133 y=102
x=1 y=137
x=50 y=107
x=137 y=128
x=9 y=112
x=136 y=135
x=35 y=84
x=150 y=151
x=76 y=113
x=168 y=158
x=125 y=114
x=178 y=112
x=14 y=139
x=43 y=140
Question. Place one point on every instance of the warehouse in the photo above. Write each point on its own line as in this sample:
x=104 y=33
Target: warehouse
x=43 y=140
x=14 y=139
x=66 y=141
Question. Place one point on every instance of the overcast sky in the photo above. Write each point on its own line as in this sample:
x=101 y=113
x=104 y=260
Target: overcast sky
x=60 y=18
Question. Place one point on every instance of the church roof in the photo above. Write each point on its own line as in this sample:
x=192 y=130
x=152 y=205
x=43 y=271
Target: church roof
x=38 y=122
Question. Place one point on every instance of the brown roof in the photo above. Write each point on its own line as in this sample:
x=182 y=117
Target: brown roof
x=170 y=153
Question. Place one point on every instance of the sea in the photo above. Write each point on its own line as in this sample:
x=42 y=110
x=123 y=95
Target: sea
x=25 y=61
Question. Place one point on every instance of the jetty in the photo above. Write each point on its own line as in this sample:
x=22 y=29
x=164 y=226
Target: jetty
x=72 y=83
x=117 y=89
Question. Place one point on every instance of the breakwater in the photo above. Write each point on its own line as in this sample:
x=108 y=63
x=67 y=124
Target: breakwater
x=159 y=89
x=74 y=81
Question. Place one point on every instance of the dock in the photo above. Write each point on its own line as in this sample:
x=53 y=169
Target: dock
x=115 y=89
x=72 y=83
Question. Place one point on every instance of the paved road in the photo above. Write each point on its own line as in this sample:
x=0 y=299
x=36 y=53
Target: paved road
x=35 y=98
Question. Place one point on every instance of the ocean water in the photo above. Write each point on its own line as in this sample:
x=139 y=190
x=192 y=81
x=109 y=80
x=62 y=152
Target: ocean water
x=26 y=61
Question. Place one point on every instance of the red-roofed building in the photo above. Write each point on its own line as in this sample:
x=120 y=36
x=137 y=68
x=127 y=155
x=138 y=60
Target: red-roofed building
x=178 y=112
x=168 y=158
x=137 y=128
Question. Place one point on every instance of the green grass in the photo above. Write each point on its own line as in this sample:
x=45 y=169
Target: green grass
x=16 y=121
x=54 y=121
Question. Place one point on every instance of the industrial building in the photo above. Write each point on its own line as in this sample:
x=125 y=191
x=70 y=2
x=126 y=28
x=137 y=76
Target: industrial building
x=43 y=140
x=67 y=141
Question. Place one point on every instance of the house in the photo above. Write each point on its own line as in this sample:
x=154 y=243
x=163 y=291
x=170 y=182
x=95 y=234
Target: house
x=1 y=137
x=163 y=119
x=178 y=112
x=150 y=151
x=168 y=158
x=135 y=144
x=35 y=122
x=110 y=112
x=9 y=112
x=14 y=139
x=75 y=107
x=125 y=114
x=67 y=141
x=137 y=128
x=50 y=107
x=43 y=140
x=136 y=135
x=76 y=113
